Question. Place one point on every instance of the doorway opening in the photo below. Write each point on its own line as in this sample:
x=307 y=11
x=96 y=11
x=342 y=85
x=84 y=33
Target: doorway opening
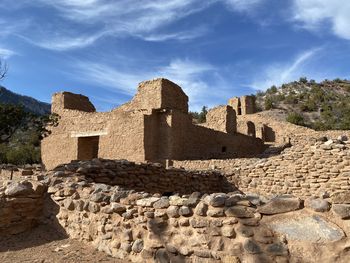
x=88 y=147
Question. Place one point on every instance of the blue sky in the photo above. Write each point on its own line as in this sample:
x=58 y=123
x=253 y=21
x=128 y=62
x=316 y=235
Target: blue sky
x=214 y=49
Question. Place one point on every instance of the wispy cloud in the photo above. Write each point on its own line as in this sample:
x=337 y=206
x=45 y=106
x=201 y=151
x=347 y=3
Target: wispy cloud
x=316 y=15
x=192 y=76
x=6 y=53
x=243 y=5
x=144 y=19
x=280 y=73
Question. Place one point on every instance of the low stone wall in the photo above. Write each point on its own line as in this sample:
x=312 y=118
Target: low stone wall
x=144 y=227
x=305 y=169
x=21 y=205
x=151 y=178
x=197 y=227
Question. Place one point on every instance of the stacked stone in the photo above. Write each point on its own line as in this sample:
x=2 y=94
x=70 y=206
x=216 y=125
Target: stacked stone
x=143 y=227
x=21 y=205
x=312 y=168
x=147 y=177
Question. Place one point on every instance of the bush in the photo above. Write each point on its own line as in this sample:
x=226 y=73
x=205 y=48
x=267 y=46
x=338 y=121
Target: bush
x=268 y=103
x=296 y=118
x=24 y=154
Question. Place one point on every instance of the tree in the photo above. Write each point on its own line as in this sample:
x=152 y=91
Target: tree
x=12 y=118
x=203 y=115
x=3 y=69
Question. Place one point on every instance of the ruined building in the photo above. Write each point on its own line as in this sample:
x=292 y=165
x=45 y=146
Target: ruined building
x=154 y=126
x=243 y=105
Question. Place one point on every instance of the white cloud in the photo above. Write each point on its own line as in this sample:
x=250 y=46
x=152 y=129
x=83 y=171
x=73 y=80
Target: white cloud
x=315 y=14
x=277 y=74
x=148 y=20
x=6 y=53
x=188 y=74
x=243 y=5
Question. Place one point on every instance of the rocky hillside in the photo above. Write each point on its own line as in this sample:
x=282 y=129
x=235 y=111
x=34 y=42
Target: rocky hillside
x=321 y=106
x=30 y=104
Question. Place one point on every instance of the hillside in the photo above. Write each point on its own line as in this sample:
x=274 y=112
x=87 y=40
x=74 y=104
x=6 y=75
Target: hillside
x=30 y=104
x=321 y=106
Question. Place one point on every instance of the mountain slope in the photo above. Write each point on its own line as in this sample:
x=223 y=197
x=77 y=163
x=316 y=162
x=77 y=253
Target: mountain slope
x=29 y=103
x=321 y=106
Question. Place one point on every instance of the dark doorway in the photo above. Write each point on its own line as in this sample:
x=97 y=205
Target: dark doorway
x=269 y=134
x=251 y=129
x=88 y=147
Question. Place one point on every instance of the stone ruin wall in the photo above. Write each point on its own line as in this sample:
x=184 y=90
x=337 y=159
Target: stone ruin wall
x=21 y=205
x=145 y=227
x=136 y=220
x=308 y=168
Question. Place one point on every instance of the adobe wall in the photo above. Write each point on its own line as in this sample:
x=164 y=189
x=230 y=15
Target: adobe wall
x=158 y=94
x=21 y=205
x=71 y=101
x=307 y=168
x=222 y=118
x=243 y=105
x=154 y=126
x=121 y=136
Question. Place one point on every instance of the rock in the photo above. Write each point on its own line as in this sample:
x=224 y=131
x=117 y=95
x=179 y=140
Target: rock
x=185 y=211
x=318 y=204
x=162 y=256
x=19 y=189
x=184 y=222
x=97 y=197
x=199 y=223
x=193 y=199
x=228 y=231
x=307 y=228
x=173 y=211
x=137 y=246
x=215 y=212
x=147 y=202
x=93 y=207
x=127 y=235
x=277 y=249
x=342 y=138
x=201 y=209
x=245 y=231
x=279 y=205
x=170 y=248
x=251 y=247
x=202 y=253
x=342 y=210
x=177 y=200
x=68 y=204
x=217 y=200
x=341 y=198
x=240 y=211
x=161 y=203
x=126 y=247
x=118 y=208
x=118 y=195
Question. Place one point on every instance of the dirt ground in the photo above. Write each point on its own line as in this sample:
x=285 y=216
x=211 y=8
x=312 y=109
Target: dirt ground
x=43 y=245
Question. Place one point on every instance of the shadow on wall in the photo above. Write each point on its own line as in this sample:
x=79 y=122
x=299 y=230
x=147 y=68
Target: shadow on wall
x=42 y=234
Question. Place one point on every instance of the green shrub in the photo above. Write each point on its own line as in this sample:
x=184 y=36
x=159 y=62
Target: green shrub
x=296 y=118
x=268 y=104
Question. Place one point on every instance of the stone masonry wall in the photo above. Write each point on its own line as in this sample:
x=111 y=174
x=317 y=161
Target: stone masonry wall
x=21 y=205
x=307 y=168
x=144 y=227
x=147 y=177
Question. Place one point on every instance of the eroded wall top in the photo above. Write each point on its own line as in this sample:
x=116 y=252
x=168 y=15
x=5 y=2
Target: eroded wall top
x=70 y=101
x=158 y=94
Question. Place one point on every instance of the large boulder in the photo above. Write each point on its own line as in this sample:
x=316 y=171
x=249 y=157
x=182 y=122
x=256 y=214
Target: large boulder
x=280 y=204
x=342 y=210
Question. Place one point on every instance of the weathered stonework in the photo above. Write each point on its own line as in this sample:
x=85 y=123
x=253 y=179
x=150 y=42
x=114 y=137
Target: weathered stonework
x=154 y=126
x=21 y=205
